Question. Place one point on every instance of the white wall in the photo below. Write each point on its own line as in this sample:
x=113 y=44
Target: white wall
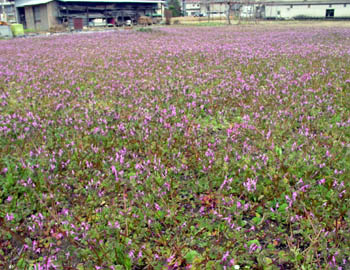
x=192 y=8
x=319 y=11
x=192 y=5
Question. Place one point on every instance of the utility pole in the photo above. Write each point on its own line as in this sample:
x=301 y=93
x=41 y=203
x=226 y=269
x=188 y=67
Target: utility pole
x=228 y=12
x=183 y=8
x=208 y=10
x=3 y=11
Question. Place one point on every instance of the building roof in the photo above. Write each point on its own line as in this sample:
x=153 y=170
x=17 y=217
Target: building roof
x=114 y=1
x=31 y=3
x=23 y=3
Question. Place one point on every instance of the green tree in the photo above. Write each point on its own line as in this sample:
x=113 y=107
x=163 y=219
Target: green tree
x=174 y=6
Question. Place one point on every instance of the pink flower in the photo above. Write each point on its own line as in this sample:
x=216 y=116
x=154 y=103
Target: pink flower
x=9 y=217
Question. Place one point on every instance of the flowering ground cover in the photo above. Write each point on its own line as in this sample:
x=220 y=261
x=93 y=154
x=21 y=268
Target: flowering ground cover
x=178 y=148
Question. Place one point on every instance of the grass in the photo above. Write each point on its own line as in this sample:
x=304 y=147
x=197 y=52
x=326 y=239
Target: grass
x=181 y=148
x=211 y=24
x=145 y=29
x=199 y=21
x=29 y=30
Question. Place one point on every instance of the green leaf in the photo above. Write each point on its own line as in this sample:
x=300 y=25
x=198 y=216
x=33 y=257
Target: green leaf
x=21 y=263
x=210 y=265
x=255 y=241
x=256 y=220
x=278 y=150
x=160 y=214
x=191 y=256
x=10 y=179
x=282 y=208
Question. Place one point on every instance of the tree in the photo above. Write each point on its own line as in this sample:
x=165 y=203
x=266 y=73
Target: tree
x=175 y=8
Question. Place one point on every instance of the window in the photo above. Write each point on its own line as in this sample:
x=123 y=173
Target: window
x=9 y=9
x=36 y=12
x=344 y=5
x=330 y=5
x=291 y=6
x=308 y=6
x=329 y=13
x=278 y=12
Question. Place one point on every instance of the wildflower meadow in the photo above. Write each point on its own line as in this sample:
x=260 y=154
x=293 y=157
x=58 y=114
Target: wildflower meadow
x=176 y=148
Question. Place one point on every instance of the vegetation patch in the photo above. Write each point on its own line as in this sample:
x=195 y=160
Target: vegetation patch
x=200 y=148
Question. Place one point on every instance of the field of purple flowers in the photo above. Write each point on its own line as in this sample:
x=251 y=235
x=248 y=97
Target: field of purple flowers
x=180 y=148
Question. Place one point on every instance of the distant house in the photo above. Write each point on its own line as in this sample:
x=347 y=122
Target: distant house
x=279 y=9
x=215 y=9
x=204 y=8
x=46 y=14
x=314 y=9
x=192 y=8
x=8 y=11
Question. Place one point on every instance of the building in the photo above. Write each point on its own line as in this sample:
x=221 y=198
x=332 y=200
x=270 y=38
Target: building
x=8 y=11
x=76 y=14
x=314 y=9
x=279 y=9
x=205 y=8
x=192 y=8
x=214 y=9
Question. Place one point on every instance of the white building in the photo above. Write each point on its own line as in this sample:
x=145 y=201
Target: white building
x=191 y=7
x=279 y=9
x=214 y=10
x=308 y=9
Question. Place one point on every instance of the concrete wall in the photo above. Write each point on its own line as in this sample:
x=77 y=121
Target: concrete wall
x=52 y=14
x=44 y=20
x=5 y=31
x=311 y=10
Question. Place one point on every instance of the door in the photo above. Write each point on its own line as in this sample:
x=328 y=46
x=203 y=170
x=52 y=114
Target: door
x=22 y=16
x=78 y=23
